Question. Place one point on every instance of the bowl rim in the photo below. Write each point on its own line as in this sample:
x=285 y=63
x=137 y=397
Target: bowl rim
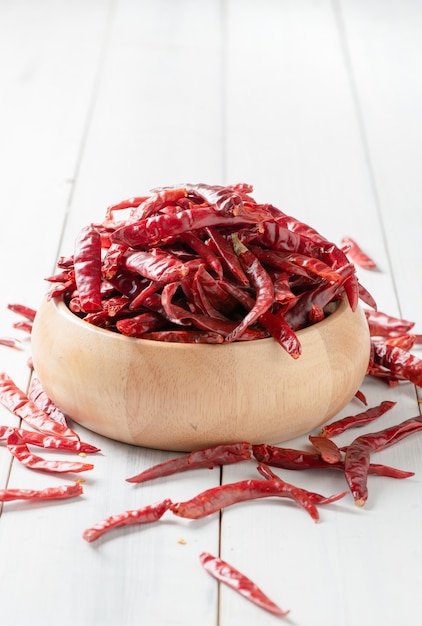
x=58 y=302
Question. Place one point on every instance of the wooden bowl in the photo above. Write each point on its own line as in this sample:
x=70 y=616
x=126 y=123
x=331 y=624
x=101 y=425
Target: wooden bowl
x=183 y=397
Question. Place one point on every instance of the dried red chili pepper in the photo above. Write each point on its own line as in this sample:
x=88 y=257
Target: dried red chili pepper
x=291 y=459
x=145 y=515
x=24 y=311
x=355 y=252
x=19 y=449
x=231 y=577
x=38 y=396
x=327 y=449
x=353 y=421
x=217 y=498
x=50 y=493
x=357 y=458
x=19 y=404
x=207 y=458
x=34 y=438
x=381 y=324
x=87 y=264
x=361 y=396
x=398 y=362
x=262 y=284
x=316 y=498
x=11 y=343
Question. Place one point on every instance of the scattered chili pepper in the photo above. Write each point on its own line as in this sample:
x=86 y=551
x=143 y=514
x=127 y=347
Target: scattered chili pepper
x=356 y=253
x=231 y=577
x=9 y=342
x=353 y=421
x=357 y=458
x=206 y=458
x=381 y=324
x=217 y=498
x=398 y=362
x=145 y=515
x=316 y=498
x=34 y=438
x=19 y=449
x=23 y=310
x=49 y=493
x=327 y=449
x=361 y=396
x=18 y=403
x=38 y=396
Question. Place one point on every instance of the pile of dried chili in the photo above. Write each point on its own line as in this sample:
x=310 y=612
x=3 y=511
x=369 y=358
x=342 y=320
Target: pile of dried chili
x=203 y=263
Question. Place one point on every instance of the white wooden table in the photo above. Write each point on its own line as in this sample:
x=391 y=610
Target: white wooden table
x=318 y=105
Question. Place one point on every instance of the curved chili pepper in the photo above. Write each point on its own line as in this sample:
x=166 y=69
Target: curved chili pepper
x=204 y=251
x=353 y=421
x=316 y=498
x=261 y=282
x=357 y=458
x=140 y=324
x=217 y=498
x=227 y=254
x=24 y=311
x=50 y=493
x=381 y=324
x=11 y=343
x=328 y=450
x=291 y=459
x=234 y=579
x=208 y=458
x=158 y=227
x=361 y=396
x=398 y=362
x=146 y=515
x=18 y=403
x=34 y=438
x=184 y=336
x=87 y=264
x=355 y=252
x=156 y=265
x=19 y=449
x=38 y=396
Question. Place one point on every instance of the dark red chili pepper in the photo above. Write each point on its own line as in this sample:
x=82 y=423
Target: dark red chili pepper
x=140 y=324
x=328 y=450
x=87 y=263
x=381 y=324
x=156 y=265
x=357 y=458
x=353 y=421
x=291 y=459
x=19 y=449
x=184 y=336
x=34 y=438
x=38 y=396
x=19 y=404
x=234 y=579
x=50 y=493
x=316 y=498
x=361 y=396
x=366 y=297
x=208 y=458
x=145 y=515
x=204 y=251
x=398 y=362
x=355 y=252
x=152 y=230
x=405 y=341
x=227 y=254
x=261 y=282
x=217 y=498
x=24 y=311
